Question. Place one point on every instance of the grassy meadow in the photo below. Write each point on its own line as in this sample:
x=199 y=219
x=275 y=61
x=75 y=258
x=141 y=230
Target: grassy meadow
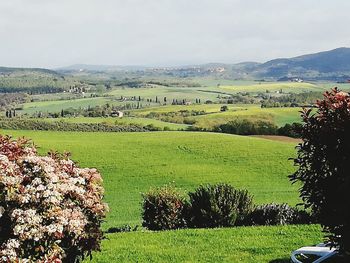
x=271 y=244
x=131 y=163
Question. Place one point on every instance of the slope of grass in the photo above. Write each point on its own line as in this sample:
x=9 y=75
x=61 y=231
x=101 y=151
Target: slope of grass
x=279 y=116
x=273 y=87
x=133 y=162
x=58 y=105
x=240 y=244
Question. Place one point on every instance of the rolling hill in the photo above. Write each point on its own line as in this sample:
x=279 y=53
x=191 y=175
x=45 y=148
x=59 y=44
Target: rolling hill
x=333 y=65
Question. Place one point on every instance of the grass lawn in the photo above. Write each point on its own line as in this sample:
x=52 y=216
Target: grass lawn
x=241 y=244
x=133 y=162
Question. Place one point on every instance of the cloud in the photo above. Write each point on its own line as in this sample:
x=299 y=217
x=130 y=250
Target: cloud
x=54 y=33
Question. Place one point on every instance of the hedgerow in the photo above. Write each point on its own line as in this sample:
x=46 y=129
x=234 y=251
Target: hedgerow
x=29 y=124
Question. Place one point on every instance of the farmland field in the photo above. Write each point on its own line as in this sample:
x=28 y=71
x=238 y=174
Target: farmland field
x=279 y=116
x=133 y=162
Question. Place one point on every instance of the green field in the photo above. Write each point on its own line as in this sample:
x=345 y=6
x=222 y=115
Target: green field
x=133 y=162
x=279 y=116
x=242 y=244
x=58 y=105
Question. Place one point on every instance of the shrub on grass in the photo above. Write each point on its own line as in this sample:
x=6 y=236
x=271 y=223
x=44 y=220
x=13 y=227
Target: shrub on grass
x=290 y=130
x=50 y=209
x=277 y=214
x=218 y=205
x=163 y=208
x=247 y=127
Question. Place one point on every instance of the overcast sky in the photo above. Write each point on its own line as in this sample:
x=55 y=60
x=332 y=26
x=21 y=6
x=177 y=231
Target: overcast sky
x=54 y=33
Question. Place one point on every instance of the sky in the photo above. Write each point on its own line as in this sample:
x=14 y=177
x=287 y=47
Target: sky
x=56 y=33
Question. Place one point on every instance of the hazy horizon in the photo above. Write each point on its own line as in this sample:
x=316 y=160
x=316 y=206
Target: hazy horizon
x=54 y=34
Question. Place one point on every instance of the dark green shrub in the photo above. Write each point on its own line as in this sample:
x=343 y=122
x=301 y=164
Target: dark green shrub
x=151 y=127
x=224 y=108
x=290 y=130
x=123 y=228
x=277 y=214
x=247 y=127
x=218 y=205
x=163 y=208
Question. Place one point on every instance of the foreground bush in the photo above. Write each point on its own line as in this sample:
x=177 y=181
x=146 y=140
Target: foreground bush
x=323 y=165
x=218 y=206
x=50 y=210
x=163 y=208
x=277 y=214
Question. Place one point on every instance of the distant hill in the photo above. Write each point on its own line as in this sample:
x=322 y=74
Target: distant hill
x=98 y=68
x=33 y=81
x=9 y=70
x=331 y=64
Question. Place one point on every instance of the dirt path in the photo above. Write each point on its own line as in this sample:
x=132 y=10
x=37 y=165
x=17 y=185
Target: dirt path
x=278 y=138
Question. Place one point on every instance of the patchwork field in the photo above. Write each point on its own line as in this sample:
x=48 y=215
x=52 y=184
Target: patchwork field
x=210 y=89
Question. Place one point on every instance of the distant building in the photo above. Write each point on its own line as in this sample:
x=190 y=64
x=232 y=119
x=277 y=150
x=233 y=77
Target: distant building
x=118 y=114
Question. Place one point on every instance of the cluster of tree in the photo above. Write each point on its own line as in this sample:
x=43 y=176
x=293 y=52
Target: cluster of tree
x=240 y=99
x=182 y=116
x=28 y=124
x=142 y=83
x=247 y=127
x=37 y=81
x=10 y=100
x=10 y=113
x=32 y=90
x=291 y=100
x=106 y=110
x=254 y=127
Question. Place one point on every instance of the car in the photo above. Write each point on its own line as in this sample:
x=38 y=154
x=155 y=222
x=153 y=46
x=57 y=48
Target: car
x=314 y=254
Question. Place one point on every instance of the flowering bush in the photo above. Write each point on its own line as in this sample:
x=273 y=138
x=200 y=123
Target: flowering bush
x=50 y=210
